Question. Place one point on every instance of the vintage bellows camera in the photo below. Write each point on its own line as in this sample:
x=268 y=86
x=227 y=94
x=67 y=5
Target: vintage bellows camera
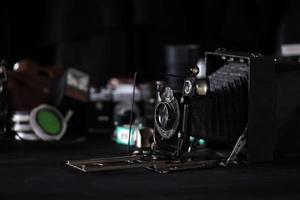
x=248 y=95
x=213 y=108
x=245 y=100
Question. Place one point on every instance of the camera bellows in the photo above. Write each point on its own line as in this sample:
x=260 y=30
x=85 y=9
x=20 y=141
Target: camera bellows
x=222 y=115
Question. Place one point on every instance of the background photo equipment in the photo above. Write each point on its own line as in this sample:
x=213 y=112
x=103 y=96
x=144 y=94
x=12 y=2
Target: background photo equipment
x=3 y=98
x=110 y=107
x=44 y=94
x=178 y=58
x=72 y=94
x=44 y=122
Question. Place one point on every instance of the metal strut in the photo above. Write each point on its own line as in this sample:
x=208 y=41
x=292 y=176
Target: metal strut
x=139 y=161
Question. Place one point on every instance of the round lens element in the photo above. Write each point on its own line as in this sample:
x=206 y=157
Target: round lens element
x=163 y=115
x=166 y=117
x=49 y=122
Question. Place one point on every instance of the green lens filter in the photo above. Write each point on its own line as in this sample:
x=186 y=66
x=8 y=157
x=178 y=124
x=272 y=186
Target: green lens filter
x=47 y=122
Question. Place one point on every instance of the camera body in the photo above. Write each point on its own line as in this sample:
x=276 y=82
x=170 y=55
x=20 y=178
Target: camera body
x=173 y=114
x=244 y=91
x=213 y=108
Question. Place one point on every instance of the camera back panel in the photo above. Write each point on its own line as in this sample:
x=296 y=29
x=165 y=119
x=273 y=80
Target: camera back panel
x=265 y=98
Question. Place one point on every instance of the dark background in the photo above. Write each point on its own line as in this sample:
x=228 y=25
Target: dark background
x=117 y=37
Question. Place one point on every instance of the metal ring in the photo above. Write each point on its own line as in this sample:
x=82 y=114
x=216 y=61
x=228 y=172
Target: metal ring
x=28 y=136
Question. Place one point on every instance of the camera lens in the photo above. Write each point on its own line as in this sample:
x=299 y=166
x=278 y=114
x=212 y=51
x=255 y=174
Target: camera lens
x=166 y=119
x=167 y=114
x=162 y=115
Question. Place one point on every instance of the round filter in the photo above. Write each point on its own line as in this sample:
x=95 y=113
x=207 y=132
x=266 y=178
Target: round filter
x=47 y=122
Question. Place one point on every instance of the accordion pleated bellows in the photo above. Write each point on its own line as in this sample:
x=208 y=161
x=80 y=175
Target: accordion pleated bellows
x=222 y=115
